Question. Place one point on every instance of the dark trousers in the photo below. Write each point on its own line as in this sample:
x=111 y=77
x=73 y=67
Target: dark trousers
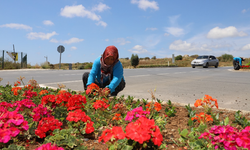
x=236 y=65
x=118 y=89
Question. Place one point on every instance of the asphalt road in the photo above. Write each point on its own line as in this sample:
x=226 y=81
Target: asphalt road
x=178 y=84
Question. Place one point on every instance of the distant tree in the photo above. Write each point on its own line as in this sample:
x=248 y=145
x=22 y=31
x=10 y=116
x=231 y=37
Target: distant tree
x=179 y=57
x=147 y=58
x=154 y=57
x=226 y=57
x=134 y=60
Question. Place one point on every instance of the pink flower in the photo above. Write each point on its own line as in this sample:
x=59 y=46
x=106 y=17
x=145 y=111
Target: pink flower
x=4 y=135
x=48 y=146
x=137 y=112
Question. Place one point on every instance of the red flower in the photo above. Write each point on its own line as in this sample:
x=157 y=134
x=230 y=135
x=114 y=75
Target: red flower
x=100 y=104
x=113 y=134
x=143 y=130
x=89 y=127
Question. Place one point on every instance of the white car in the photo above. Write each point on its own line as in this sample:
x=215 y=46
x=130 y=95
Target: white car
x=205 y=61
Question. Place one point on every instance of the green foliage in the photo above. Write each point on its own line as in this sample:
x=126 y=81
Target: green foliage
x=248 y=63
x=7 y=95
x=14 y=147
x=88 y=66
x=66 y=138
x=241 y=120
x=216 y=119
x=154 y=57
x=170 y=109
x=80 y=67
x=192 y=138
x=45 y=65
x=179 y=57
x=194 y=56
x=134 y=60
x=226 y=57
x=191 y=113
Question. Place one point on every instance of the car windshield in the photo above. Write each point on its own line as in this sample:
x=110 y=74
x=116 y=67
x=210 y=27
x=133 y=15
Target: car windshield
x=202 y=57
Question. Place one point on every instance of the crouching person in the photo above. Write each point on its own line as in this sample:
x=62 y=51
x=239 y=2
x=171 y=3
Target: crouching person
x=237 y=62
x=106 y=72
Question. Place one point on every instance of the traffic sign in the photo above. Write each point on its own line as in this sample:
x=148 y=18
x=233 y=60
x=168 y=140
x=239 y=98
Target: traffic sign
x=60 y=49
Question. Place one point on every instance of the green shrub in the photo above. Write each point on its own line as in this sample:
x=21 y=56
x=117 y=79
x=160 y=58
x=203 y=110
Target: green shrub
x=134 y=60
x=226 y=57
x=45 y=65
x=194 y=56
x=88 y=66
x=179 y=57
x=80 y=67
x=154 y=57
x=147 y=58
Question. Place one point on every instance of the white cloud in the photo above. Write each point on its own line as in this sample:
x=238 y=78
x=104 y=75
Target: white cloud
x=138 y=49
x=246 y=47
x=101 y=23
x=245 y=10
x=17 y=26
x=122 y=41
x=70 y=41
x=184 y=46
x=100 y=7
x=230 y=31
x=48 y=22
x=175 y=31
x=145 y=4
x=152 y=29
x=73 y=48
x=41 y=35
x=173 y=19
x=78 y=11
x=166 y=34
x=106 y=40
x=54 y=41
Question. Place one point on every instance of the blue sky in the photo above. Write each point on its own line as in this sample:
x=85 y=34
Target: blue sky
x=145 y=27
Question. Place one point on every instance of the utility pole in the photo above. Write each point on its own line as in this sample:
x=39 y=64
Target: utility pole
x=46 y=58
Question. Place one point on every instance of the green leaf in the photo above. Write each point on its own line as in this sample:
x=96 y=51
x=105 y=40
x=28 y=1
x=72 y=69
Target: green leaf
x=127 y=147
x=184 y=133
x=190 y=122
x=226 y=122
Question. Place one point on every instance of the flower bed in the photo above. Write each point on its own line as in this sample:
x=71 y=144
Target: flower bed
x=245 y=67
x=32 y=117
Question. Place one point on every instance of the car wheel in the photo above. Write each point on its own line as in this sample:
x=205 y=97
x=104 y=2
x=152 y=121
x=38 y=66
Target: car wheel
x=216 y=66
x=206 y=66
x=193 y=66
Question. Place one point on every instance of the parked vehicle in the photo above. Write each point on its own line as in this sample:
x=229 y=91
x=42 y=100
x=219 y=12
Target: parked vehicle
x=205 y=61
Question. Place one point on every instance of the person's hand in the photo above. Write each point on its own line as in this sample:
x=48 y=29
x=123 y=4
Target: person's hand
x=88 y=91
x=106 y=91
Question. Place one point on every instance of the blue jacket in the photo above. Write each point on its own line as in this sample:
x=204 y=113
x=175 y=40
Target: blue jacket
x=238 y=59
x=95 y=73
